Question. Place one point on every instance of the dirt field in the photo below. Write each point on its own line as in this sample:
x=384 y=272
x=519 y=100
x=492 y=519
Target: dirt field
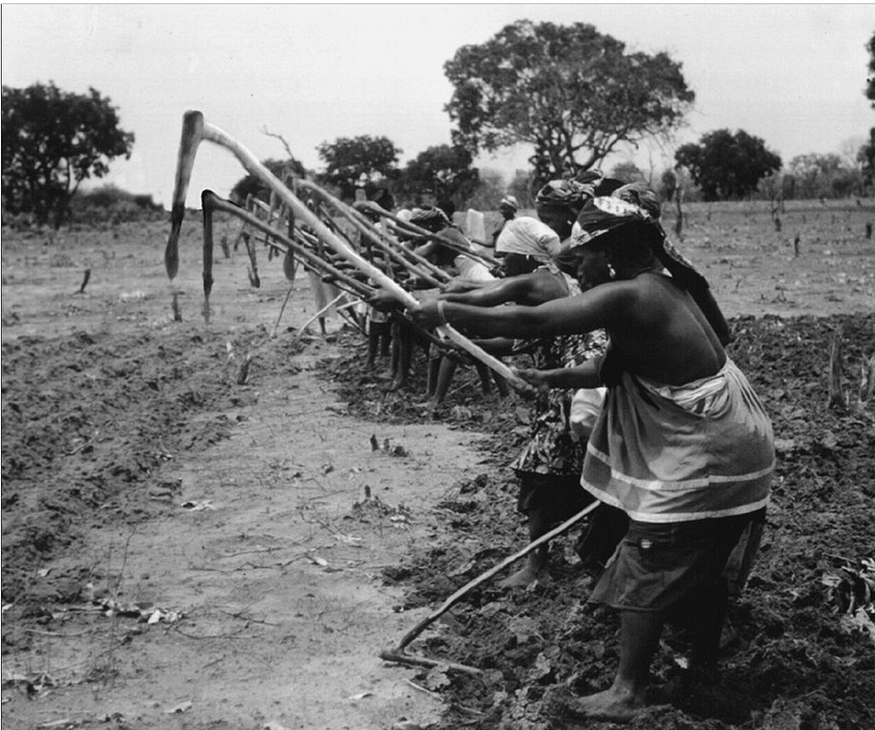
x=185 y=550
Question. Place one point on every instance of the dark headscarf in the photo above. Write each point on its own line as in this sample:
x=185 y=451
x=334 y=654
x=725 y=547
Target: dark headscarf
x=571 y=196
x=596 y=183
x=639 y=194
x=432 y=219
x=574 y=193
x=568 y=194
x=637 y=203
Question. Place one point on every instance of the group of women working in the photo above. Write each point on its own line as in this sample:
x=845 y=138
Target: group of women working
x=681 y=453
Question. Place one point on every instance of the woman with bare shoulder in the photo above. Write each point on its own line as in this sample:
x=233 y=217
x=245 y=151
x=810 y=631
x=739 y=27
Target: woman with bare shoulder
x=682 y=445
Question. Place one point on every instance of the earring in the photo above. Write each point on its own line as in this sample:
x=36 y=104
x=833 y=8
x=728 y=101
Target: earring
x=611 y=272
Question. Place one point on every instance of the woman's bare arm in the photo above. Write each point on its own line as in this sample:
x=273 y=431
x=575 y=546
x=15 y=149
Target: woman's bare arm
x=529 y=289
x=601 y=307
x=585 y=375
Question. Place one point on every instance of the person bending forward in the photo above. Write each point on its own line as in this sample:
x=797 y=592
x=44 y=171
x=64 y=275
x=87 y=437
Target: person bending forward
x=683 y=445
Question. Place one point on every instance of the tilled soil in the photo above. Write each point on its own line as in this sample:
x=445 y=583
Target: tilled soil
x=120 y=424
x=186 y=547
x=799 y=650
x=119 y=404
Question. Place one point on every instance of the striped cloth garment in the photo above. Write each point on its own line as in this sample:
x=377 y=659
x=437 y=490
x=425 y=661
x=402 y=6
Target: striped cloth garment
x=675 y=454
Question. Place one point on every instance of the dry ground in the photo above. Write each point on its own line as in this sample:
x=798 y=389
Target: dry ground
x=181 y=550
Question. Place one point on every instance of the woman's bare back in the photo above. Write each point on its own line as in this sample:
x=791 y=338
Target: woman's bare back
x=663 y=336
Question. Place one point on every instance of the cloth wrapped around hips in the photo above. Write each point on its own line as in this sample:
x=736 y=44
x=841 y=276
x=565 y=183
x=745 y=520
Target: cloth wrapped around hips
x=671 y=454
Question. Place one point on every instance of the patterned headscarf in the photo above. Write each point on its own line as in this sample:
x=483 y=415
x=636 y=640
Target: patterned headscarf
x=604 y=214
x=432 y=219
x=595 y=183
x=638 y=203
x=639 y=194
x=563 y=194
x=632 y=202
x=574 y=193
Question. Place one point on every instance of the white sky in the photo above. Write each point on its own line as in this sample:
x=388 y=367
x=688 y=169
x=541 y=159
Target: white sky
x=791 y=74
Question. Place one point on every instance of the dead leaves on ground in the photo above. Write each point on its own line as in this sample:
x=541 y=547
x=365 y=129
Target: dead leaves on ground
x=387 y=447
x=851 y=593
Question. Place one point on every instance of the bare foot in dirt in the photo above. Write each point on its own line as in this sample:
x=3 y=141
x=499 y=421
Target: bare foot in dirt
x=612 y=704
x=525 y=577
x=702 y=693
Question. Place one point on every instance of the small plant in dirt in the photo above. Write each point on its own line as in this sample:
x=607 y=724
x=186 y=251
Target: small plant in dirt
x=803 y=630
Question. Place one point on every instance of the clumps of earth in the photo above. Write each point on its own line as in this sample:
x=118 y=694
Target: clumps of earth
x=87 y=420
x=798 y=652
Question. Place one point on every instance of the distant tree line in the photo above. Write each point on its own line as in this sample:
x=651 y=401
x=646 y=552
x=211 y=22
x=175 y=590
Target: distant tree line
x=440 y=175
x=571 y=94
x=867 y=153
x=52 y=141
x=620 y=98
x=111 y=204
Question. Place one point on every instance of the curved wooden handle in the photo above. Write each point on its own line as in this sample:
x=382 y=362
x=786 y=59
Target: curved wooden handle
x=195 y=130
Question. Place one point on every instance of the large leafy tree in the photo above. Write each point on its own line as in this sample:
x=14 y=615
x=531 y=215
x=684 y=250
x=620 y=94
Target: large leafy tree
x=52 y=141
x=570 y=92
x=350 y=161
x=870 y=87
x=443 y=171
x=866 y=158
x=867 y=152
x=727 y=166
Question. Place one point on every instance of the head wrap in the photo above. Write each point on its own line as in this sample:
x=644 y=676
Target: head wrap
x=509 y=201
x=639 y=194
x=575 y=192
x=604 y=214
x=638 y=203
x=595 y=183
x=563 y=194
x=432 y=218
x=589 y=177
x=606 y=186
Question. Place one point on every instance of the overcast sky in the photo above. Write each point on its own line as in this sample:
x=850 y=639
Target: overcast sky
x=793 y=75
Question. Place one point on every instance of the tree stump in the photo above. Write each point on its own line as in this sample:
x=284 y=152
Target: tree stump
x=867 y=382
x=837 y=397
x=177 y=312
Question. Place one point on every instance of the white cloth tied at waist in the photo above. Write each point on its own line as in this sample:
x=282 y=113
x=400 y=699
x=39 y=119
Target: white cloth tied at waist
x=679 y=453
x=698 y=396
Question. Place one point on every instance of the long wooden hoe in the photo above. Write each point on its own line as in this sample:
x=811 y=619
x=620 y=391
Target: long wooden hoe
x=310 y=260
x=210 y=201
x=400 y=655
x=194 y=131
x=438 y=277
x=408 y=227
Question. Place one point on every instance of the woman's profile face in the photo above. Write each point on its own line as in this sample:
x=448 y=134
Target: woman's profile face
x=592 y=266
x=558 y=219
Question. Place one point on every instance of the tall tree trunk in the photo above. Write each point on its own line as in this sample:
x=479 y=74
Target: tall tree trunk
x=679 y=222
